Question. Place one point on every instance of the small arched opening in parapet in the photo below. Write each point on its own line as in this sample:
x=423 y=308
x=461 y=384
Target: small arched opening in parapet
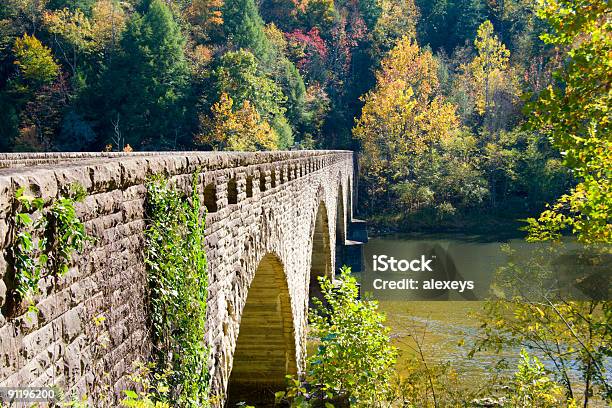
x=262 y=181
x=273 y=178
x=340 y=227
x=232 y=191
x=265 y=350
x=320 y=258
x=249 y=186
x=210 y=198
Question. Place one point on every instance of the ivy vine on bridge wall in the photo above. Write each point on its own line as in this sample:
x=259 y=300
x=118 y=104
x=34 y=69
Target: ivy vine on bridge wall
x=45 y=235
x=178 y=283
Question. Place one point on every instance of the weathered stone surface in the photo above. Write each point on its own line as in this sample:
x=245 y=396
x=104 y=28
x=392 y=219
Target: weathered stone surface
x=2 y=291
x=6 y=195
x=267 y=241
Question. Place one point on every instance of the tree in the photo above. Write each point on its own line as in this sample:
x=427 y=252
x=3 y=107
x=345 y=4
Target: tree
x=108 y=22
x=244 y=28
x=444 y=181
x=238 y=76
x=320 y=14
x=38 y=95
x=492 y=60
x=468 y=15
x=489 y=81
x=9 y=122
x=90 y=37
x=283 y=13
x=575 y=115
x=402 y=117
x=371 y=11
x=74 y=29
x=240 y=129
x=287 y=76
x=310 y=52
x=205 y=17
x=26 y=15
x=317 y=106
x=541 y=174
x=434 y=25
x=36 y=65
x=534 y=305
x=397 y=20
x=149 y=105
x=448 y=24
x=84 y=5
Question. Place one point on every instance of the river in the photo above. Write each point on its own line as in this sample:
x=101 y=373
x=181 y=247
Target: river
x=443 y=321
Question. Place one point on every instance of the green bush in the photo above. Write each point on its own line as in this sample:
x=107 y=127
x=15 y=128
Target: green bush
x=354 y=361
x=532 y=387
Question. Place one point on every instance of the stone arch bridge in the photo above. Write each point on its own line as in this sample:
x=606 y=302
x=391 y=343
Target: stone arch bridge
x=276 y=221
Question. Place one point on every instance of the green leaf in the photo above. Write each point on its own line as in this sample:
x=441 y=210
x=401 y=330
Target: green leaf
x=38 y=203
x=24 y=219
x=130 y=394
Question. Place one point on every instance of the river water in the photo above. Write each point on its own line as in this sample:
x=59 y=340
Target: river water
x=444 y=325
x=443 y=320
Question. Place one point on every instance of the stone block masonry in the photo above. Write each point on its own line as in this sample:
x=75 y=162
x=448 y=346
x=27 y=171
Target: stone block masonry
x=264 y=210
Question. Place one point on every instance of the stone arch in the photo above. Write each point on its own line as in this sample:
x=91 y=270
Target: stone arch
x=320 y=255
x=265 y=349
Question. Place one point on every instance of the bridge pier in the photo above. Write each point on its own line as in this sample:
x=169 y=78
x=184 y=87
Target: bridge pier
x=351 y=252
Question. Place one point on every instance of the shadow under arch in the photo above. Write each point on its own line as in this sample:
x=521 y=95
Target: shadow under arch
x=349 y=199
x=265 y=350
x=340 y=227
x=320 y=257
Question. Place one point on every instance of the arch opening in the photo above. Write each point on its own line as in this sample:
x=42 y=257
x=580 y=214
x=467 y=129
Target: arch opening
x=320 y=258
x=249 y=186
x=232 y=191
x=273 y=179
x=265 y=350
x=262 y=181
x=210 y=198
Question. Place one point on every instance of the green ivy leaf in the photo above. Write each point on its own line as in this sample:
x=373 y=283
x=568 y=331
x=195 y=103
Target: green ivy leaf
x=130 y=394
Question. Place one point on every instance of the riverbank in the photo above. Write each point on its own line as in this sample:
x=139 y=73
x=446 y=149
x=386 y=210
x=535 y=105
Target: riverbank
x=499 y=225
